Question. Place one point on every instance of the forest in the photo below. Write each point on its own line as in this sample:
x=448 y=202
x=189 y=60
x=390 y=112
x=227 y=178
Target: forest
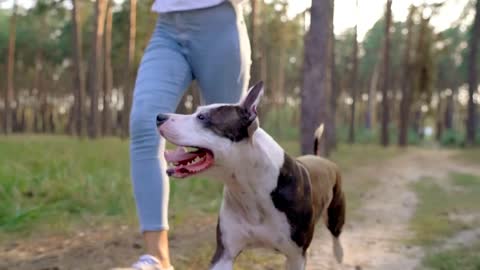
x=398 y=98
x=68 y=67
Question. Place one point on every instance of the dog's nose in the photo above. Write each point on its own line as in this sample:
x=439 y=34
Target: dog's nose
x=161 y=118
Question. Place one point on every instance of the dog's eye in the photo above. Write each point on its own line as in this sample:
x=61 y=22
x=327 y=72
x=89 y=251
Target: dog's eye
x=201 y=117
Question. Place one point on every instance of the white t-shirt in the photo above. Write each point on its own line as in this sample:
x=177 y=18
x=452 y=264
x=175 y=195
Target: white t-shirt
x=162 y=6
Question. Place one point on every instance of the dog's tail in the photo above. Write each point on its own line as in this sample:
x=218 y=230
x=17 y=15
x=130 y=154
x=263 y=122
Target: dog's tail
x=336 y=216
x=318 y=137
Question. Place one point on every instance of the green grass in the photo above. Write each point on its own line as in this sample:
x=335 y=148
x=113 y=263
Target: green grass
x=431 y=222
x=57 y=184
x=466 y=258
x=47 y=181
x=351 y=156
x=432 y=225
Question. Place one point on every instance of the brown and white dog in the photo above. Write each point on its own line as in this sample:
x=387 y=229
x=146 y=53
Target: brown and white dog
x=270 y=199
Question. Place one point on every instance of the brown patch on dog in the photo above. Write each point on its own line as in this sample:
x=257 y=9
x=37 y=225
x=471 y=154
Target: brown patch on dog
x=293 y=196
x=228 y=121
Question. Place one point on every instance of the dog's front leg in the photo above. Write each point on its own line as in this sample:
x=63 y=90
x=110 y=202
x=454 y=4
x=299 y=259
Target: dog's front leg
x=222 y=260
x=296 y=262
x=227 y=249
x=224 y=263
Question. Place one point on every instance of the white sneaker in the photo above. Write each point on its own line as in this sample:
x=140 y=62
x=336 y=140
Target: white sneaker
x=146 y=262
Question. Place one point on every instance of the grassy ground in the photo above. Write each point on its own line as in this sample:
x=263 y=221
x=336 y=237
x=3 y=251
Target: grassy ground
x=54 y=183
x=438 y=218
x=433 y=220
x=465 y=258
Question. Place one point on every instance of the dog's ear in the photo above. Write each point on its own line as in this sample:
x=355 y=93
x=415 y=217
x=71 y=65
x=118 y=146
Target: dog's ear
x=250 y=102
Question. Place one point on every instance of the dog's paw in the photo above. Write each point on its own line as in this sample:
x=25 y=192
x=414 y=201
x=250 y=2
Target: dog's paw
x=337 y=249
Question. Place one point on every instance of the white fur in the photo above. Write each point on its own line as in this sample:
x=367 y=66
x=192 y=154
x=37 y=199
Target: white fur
x=337 y=249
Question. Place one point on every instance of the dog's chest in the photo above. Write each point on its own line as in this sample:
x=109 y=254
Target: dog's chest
x=249 y=211
x=257 y=222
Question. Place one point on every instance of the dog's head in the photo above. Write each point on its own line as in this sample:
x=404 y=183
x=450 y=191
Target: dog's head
x=211 y=134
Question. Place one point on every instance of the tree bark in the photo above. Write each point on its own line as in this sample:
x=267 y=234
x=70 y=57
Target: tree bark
x=472 y=76
x=129 y=69
x=386 y=77
x=317 y=76
x=79 y=75
x=439 y=128
x=406 y=85
x=371 y=117
x=331 y=130
x=96 y=68
x=449 y=112
x=353 y=84
x=43 y=97
x=9 y=93
x=107 y=91
x=36 y=91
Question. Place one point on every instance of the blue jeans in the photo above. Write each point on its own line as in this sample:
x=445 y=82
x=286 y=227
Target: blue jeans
x=208 y=45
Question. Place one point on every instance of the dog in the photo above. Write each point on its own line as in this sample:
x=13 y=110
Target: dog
x=270 y=199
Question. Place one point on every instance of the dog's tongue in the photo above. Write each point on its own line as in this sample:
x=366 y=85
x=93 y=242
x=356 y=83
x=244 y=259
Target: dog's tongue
x=178 y=155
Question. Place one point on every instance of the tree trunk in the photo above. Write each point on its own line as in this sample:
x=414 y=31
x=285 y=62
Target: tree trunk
x=43 y=98
x=331 y=130
x=79 y=76
x=51 y=120
x=7 y=114
x=386 y=76
x=371 y=117
x=439 y=128
x=107 y=91
x=23 y=120
x=96 y=68
x=416 y=123
x=15 y=120
x=317 y=76
x=406 y=85
x=472 y=76
x=353 y=84
x=127 y=91
x=36 y=91
x=449 y=112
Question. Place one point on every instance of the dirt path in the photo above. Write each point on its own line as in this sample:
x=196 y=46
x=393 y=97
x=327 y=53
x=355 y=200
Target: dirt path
x=375 y=239
x=372 y=239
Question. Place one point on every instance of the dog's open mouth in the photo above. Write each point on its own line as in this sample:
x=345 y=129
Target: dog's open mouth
x=186 y=162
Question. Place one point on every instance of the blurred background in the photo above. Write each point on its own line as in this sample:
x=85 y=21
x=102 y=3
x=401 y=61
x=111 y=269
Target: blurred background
x=394 y=81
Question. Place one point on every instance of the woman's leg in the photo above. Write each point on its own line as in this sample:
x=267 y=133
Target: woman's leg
x=220 y=56
x=162 y=78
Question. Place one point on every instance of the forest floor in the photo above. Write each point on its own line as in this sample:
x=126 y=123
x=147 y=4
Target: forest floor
x=385 y=229
x=385 y=233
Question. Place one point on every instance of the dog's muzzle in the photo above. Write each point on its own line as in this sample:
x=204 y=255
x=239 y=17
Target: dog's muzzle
x=161 y=118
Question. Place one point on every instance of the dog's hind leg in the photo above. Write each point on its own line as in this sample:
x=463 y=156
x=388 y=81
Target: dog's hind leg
x=296 y=262
x=336 y=217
